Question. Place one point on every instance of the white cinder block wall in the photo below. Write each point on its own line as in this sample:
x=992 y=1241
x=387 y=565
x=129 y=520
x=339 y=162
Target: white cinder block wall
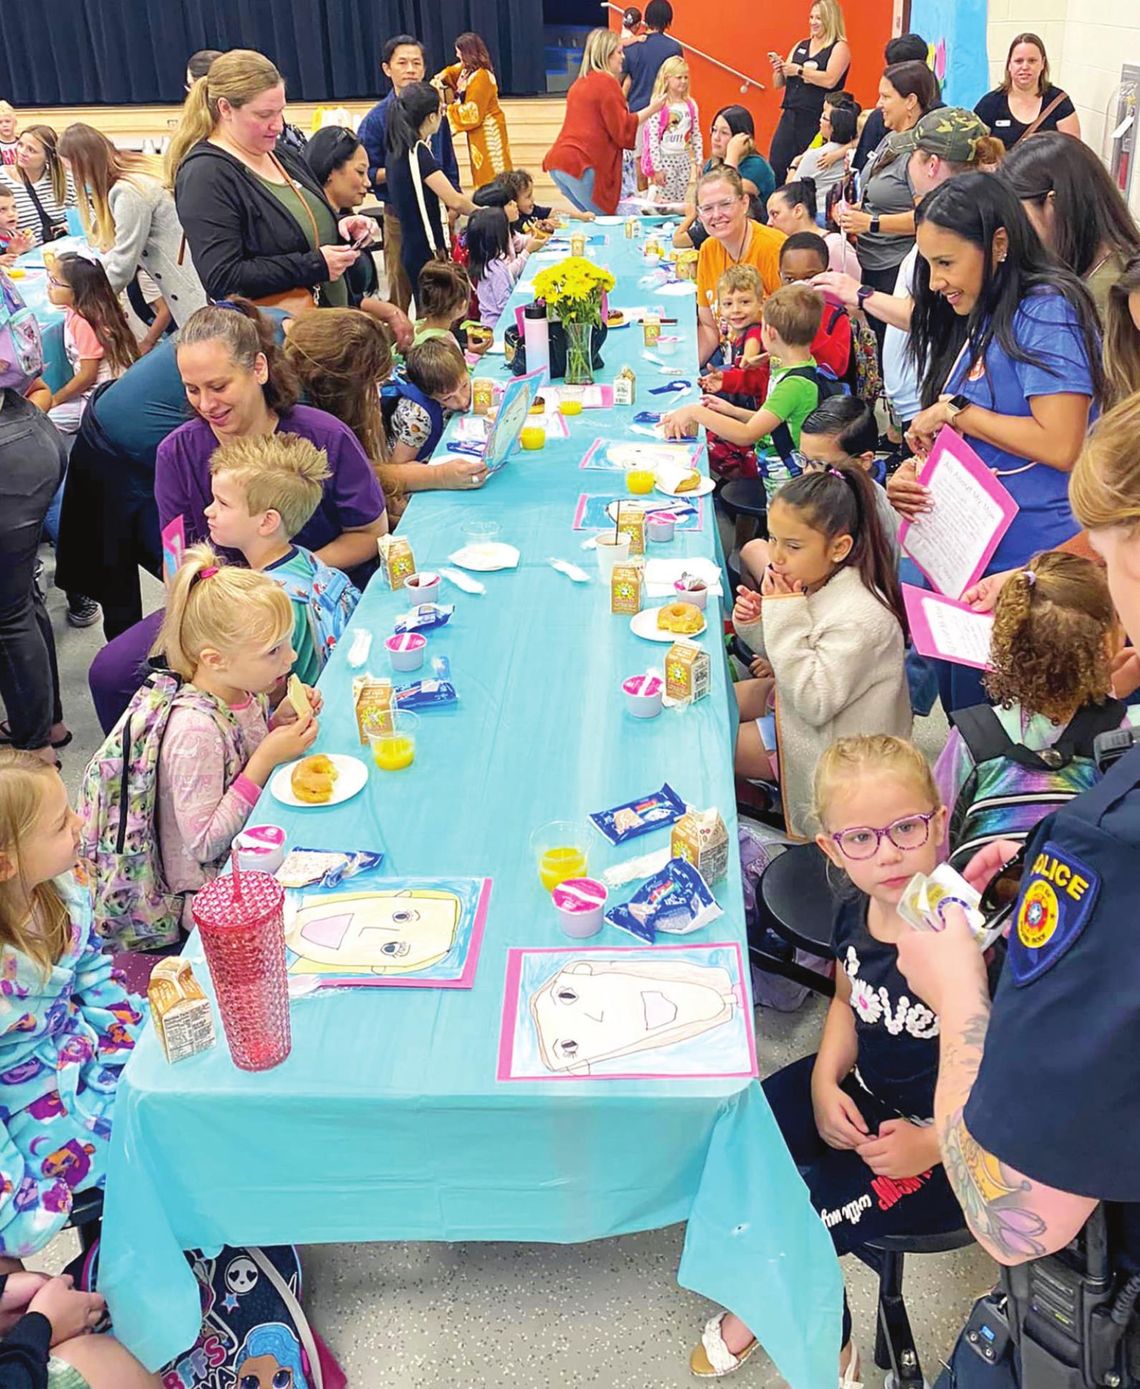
x=1087 y=41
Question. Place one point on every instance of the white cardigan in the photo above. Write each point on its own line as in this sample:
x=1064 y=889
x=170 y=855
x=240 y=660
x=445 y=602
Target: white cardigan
x=837 y=656
x=148 y=236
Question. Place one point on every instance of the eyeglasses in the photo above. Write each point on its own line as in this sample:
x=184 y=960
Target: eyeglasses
x=862 y=841
x=814 y=465
x=709 y=209
x=58 y=284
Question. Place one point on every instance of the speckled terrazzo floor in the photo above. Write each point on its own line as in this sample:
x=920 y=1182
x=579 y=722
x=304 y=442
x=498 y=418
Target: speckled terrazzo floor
x=484 y=1316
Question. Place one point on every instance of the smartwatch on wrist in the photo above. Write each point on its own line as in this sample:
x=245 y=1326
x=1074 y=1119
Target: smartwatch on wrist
x=874 y=224
x=862 y=294
x=956 y=404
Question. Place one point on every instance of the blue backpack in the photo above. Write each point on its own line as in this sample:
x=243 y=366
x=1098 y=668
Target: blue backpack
x=328 y=597
x=399 y=388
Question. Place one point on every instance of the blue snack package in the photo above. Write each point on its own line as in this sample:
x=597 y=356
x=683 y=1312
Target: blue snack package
x=424 y=617
x=642 y=816
x=425 y=694
x=324 y=867
x=677 y=900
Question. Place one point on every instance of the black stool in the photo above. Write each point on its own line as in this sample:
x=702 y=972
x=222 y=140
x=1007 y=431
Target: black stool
x=744 y=496
x=894 y=1341
x=797 y=903
x=86 y=1216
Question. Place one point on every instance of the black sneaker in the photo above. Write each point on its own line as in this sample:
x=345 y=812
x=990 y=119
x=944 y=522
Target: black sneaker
x=82 y=611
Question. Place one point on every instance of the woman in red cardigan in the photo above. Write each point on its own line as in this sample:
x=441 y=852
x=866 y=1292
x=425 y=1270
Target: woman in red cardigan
x=585 y=160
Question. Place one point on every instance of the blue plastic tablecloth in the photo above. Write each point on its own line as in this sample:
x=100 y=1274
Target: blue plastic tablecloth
x=386 y=1122
x=33 y=287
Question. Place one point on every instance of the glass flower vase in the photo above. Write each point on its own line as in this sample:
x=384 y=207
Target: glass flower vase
x=579 y=354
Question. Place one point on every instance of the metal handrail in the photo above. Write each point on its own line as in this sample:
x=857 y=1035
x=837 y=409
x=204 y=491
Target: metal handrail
x=745 y=80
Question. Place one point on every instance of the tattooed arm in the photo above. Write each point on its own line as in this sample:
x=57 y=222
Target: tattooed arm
x=1012 y=1216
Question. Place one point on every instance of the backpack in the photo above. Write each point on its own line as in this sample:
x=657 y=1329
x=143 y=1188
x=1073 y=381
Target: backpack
x=782 y=439
x=329 y=599
x=397 y=388
x=1012 y=788
x=662 y=119
x=132 y=905
x=864 y=372
x=251 y=1308
x=21 y=345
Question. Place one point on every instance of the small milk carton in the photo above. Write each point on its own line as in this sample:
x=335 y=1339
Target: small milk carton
x=625 y=589
x=687 y=672
x=372 y=703
x=180 y=1011
x=700 y=838
x=396 y=560
x=625 y=387
x=631 y=522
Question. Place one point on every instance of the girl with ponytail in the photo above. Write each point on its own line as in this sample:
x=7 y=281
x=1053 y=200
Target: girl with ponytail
x=829 y=623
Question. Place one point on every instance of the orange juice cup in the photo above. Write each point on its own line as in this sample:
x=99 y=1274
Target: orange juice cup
x=394 y=748
x=560 y=852
x=640 y=481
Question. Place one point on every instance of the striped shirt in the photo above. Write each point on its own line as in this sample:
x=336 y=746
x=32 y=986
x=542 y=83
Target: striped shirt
x=28 y=218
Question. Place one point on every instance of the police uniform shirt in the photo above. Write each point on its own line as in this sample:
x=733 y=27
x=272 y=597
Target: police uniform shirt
x=1058 y=1093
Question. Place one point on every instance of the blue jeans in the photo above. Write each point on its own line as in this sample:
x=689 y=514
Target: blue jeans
x=579 y=191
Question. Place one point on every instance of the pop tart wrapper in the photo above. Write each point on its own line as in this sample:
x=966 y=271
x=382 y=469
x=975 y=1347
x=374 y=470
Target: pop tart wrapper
x=424 y=617
x=676 y=901
x=425 y=694
x=642 y=816
x=324 y=867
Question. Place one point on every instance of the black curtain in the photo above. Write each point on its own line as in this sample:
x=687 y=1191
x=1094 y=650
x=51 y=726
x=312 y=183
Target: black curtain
x=119 y=52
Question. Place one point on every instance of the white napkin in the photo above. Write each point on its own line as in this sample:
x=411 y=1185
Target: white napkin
x=463 y=581
x=572 y=571
x=662 y=574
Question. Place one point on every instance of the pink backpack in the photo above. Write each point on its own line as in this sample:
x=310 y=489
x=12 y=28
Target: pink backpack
x=662 y=119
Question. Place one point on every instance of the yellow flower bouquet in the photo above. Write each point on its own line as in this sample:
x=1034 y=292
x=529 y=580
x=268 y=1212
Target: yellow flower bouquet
x=573 y=292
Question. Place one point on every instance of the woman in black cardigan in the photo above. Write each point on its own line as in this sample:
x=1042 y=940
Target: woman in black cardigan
x=256 y=220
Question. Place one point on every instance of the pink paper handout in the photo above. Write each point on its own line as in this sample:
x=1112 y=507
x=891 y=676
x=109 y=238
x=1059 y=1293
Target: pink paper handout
x=947 y=630
x=955 y=540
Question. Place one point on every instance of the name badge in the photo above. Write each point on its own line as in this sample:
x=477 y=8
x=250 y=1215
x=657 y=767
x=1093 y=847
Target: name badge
x=1003 y=123
x=1057 y=899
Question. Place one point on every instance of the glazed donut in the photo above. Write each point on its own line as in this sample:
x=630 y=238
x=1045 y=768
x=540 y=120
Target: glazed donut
x=683 y=618
x=312 y=779
x=615 y=318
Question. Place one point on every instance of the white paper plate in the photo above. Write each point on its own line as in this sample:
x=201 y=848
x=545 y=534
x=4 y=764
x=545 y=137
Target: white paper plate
x=702 y=489
x=649 y=455
x=644 y=624
x=617 y=327
x=484 y=559
x=352 y=773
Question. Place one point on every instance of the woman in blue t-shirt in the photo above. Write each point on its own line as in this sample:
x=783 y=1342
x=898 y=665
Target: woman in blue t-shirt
x=1008 y=346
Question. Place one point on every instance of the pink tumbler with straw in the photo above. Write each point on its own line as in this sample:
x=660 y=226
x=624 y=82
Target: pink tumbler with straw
x=241 y=921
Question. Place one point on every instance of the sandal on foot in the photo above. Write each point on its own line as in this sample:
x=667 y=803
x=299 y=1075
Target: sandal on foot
x=849 y=1379
x=712 y=1359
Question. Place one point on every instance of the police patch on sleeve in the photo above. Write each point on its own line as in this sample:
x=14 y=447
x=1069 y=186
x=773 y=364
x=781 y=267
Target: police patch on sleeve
x=1057 y=899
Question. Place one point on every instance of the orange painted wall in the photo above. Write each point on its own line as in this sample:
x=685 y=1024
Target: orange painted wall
x=740 y=32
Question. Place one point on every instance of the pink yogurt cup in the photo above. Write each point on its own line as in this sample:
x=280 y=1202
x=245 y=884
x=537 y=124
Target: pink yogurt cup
x=424 y=588
x=699 y=597
x=260 y=847
x=580 y=903
x=643 y=695
x=660 y=525
x=406 y=650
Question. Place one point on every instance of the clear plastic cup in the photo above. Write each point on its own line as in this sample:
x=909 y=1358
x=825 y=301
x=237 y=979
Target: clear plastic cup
x=240 y=919
x=560 y=851
x=394 y=747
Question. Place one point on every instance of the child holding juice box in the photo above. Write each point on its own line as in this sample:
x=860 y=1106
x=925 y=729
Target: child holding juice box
x=858 y=1116
x=265 y=488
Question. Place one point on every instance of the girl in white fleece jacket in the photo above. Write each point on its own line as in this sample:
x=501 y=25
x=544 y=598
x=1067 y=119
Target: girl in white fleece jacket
x=829 y=625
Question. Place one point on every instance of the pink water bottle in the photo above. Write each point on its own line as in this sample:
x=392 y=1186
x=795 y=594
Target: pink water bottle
x=241 y=921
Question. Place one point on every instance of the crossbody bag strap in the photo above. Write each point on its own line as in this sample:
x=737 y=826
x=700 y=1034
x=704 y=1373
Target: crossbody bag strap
x=1044 y=115
x=296 y=1311
x=284 y=172
x=47 y=226
x=418 y=185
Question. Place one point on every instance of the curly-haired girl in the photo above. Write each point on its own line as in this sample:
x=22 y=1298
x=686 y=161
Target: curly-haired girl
x=1058 y=605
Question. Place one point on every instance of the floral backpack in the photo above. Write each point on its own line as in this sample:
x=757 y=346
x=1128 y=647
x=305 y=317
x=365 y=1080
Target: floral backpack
x=133 y=907
x=868 y=383
x=21 y=346
x=328 y=598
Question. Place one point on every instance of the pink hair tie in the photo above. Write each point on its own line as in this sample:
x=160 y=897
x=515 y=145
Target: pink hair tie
x=208 y=572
